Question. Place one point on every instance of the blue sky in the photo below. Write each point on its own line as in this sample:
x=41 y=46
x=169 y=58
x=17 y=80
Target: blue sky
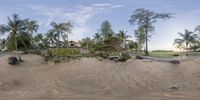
x=87 y=15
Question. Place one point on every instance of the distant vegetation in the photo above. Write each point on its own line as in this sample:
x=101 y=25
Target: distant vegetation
x=162 y=50
x=22 y=35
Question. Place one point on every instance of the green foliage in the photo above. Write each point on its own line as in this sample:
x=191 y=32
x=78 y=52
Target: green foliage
x=64 y=52
x=176 y=55
x=163 y=54
x=124 y=57
x=59 y=30
x=106 y=29
x=145 y=20
x=187 y=40
x=19 y=32
x=87 y=43
x=162 y=50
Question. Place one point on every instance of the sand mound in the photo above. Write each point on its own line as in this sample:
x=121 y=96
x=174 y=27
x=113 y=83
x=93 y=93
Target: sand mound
x=92 y=79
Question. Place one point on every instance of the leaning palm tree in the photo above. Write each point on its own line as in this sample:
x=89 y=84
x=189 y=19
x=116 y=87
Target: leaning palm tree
x=61 y=29
x=14 y=27
x=186 y=39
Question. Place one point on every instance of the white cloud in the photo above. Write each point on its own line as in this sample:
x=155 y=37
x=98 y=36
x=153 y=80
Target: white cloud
x=101 y=4
x=117 y=6
x=78 y=14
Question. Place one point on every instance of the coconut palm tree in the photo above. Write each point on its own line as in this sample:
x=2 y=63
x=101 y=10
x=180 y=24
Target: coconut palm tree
x=122 y=35
x=186 y=39
x=61 y=29
x=31 y=25
x=38 y=41
x=14 y=27
x=50 y=38
x=97 y=38
x=179 y=43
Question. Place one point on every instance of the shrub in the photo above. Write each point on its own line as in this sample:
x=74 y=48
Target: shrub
x=64 y=52
x=124 y=57
x=176 y=55
x=102 y=54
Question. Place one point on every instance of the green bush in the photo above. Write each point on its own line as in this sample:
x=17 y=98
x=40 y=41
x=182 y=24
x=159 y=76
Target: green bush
x=176 y=55
x=124 y=57
x=64 y=52
x=102 y=54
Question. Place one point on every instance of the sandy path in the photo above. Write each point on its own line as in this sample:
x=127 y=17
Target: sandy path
x=90 y=79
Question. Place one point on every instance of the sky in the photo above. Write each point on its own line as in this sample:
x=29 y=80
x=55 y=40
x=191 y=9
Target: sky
x=87 y=16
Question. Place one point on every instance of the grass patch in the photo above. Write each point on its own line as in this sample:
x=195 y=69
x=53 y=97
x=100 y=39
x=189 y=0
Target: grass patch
x=172 y=54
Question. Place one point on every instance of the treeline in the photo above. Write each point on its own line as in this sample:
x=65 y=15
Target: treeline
x=22 y=34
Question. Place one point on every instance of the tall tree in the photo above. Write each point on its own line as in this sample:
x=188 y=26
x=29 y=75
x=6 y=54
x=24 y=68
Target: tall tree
x=106 y=30
x=14 y=27
x=145 y=19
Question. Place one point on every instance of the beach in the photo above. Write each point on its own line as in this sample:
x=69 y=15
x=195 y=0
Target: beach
x=92 y=79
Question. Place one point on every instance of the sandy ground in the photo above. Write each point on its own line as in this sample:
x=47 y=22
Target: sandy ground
x=92 y=79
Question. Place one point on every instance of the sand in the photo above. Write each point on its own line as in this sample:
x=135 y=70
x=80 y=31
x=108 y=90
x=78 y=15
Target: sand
x=92 y=79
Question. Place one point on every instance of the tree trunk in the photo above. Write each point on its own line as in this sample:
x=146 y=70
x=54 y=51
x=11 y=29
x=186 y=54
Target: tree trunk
x=186 y=48
x=67 y=42
x=146 y=49
x=15 y=40
x=146 y=39
x=58 y=44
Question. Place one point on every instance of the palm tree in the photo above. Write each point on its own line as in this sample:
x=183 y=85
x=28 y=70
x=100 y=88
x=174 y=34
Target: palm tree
x=97 y=38
x=38 y=41
x=122 y=35
x=32 y=26
x=50 y=37
x=58 y=30
x=179 y=43
x=186 y=39
x=86 y=43
x=14 y=27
